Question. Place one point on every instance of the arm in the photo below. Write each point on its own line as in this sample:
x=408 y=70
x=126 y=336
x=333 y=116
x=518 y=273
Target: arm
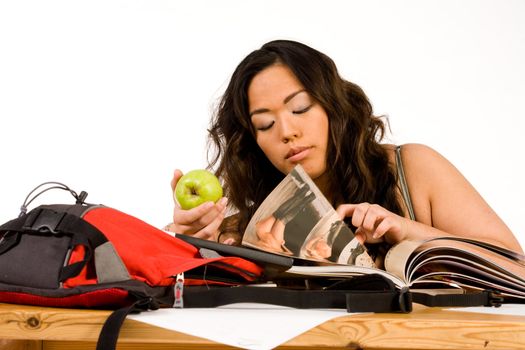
x=445 y=204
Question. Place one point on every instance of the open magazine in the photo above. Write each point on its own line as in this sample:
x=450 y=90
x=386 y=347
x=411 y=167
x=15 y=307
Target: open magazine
x=298 y=221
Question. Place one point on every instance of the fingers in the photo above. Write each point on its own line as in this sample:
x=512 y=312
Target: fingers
x=364 y=215
x=200 y=215
x=177 y=174
x=360 y=236
x=388 y=224
x=202 y=221
x=373 y=222
x=345 y=210
x=211 y=230
x=229 y=241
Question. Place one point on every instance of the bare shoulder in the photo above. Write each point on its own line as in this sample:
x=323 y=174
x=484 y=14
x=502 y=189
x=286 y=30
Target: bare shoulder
x=431 y=179
x=426 y=161
x=418 y=151
x=416 y=155
x=444 y=199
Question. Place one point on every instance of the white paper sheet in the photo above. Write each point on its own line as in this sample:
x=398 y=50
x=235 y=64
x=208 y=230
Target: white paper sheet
x=505 y=309
x=248 y=326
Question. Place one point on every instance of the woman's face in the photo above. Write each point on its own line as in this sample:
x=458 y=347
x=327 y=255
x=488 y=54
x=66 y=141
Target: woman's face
x=291 y=127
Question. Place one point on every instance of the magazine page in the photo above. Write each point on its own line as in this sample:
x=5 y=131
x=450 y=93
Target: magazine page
x=492 y=259
x=450 y=259
x=518 y=258
x=297 y=220
x=467 y=263
x=398 y=256
x=342 y=271
x=468 y=273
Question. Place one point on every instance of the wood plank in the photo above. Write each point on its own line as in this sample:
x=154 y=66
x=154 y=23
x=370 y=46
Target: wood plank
x=31 y=322
x=424 y=328
x=68 y=345
x=10 y=344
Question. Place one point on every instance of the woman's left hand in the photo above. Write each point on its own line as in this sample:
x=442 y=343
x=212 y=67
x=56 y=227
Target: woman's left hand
x=374 y=223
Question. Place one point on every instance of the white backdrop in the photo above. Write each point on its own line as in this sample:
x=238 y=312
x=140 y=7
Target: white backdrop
x=110 y=96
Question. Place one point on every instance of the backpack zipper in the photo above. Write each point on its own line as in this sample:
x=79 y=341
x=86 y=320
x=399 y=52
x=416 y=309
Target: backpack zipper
x=178 y=289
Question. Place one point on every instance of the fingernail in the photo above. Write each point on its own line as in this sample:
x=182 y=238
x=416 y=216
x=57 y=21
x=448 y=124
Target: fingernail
x=223 y=201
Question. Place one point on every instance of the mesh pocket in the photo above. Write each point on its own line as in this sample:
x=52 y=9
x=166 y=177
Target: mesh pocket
x=36 y=260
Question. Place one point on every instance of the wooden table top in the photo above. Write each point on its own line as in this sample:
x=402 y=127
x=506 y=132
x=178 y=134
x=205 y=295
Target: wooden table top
x=424 y=328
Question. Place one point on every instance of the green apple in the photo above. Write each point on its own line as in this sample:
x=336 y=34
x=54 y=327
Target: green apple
x=196 y=187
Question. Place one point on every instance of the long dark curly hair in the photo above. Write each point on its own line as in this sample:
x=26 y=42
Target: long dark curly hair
x=359 y=165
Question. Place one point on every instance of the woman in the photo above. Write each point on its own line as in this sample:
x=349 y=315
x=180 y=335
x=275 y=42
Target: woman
x=285 y=105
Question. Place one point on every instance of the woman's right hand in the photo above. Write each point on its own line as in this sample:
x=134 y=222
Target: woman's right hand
x=202 y=221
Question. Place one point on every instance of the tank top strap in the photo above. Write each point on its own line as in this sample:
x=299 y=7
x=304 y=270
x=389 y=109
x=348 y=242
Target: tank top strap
x=403 y=184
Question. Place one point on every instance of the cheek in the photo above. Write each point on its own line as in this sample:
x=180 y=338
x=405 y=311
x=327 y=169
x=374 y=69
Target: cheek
x=271 y=150
x=266 y=145
x=322 y=130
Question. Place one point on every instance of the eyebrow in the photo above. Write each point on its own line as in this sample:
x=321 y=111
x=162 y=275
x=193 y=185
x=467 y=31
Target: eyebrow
x=285 y=101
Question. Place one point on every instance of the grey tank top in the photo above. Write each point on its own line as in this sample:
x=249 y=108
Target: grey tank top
x=403 y=184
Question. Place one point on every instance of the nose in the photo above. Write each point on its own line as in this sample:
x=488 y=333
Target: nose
x=290 y=128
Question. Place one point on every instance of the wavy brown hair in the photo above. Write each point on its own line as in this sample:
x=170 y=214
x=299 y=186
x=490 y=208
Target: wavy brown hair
x=359 y=166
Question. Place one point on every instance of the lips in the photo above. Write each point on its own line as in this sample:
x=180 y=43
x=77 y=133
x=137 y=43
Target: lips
x=297 y=153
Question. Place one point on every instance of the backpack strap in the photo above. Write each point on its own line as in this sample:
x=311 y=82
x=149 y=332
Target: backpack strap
x=366 y=293
x=110 y=331
x=482 y=298
x=352 y=301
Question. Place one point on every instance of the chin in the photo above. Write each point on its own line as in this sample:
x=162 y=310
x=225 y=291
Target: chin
x=314 y=172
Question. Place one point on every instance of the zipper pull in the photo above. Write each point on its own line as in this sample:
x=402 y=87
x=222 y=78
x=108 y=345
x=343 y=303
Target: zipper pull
x=178 y=289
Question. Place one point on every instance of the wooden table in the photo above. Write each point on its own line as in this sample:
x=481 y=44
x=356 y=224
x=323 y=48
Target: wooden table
x=36 y=328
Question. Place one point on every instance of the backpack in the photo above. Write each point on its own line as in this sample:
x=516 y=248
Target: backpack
x=93 y=256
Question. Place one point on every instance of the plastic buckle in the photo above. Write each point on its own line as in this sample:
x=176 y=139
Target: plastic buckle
x=494 y=298
x=45 y=221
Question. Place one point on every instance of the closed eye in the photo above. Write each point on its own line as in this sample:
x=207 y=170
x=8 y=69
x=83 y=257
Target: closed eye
x=266 y=127
x=304 y=110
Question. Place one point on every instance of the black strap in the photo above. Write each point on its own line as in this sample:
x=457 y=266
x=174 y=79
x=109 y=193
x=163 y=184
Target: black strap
x=482 y=298
x=352 y=301
x=85 y=234
x=110 y=331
